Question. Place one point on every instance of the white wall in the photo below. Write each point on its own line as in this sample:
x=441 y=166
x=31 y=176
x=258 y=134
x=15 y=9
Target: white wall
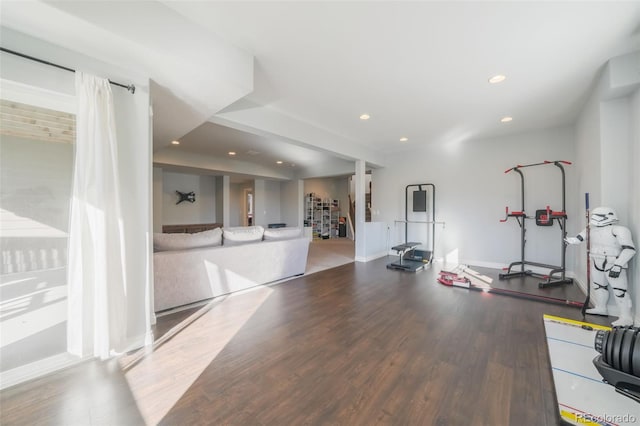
x=278 y=200
x=608 y=152
x=259 y=202
x=588 y=153
x=203 y=210
x=342 y=189
x=134 y=149
x=291 y=202
x=615 y=150
x=377 y=240
x=588 y=166
x=266 y=197
x=472 y=191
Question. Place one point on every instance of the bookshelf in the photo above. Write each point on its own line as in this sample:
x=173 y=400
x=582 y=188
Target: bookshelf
x=322 y=215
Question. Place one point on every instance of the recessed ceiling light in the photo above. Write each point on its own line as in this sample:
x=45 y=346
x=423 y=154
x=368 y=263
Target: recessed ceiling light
x=278 y=162
x=497 y=79
x=365 y=117
x=175 y=142
x=232 y=153
x=506 y=119
x=403 y=139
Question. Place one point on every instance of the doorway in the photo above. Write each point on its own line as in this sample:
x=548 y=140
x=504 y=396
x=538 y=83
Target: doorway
x=36 y=166
x=247 y=208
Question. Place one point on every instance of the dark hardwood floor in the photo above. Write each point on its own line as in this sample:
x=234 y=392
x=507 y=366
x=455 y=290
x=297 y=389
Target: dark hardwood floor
x=354 y=345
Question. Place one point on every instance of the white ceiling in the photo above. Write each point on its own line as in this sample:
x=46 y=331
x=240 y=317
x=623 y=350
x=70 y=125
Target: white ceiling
x=420 y=69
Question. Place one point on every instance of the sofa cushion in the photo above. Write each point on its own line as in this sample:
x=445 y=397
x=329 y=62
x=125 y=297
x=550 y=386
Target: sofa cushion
x=285 y=233
x=242 y=234
x=164 y=242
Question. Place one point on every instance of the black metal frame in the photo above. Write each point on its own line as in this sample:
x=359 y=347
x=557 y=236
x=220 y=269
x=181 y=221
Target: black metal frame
x=433 y=214
x=408 y=260
x=562 y=221
x=587 y=215
x=519 y=294
x=130 y=87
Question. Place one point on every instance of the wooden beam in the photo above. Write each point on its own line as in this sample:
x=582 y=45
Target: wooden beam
x=32 y=122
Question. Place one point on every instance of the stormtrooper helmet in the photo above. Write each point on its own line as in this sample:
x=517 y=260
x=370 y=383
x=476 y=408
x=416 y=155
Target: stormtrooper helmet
x=602 y=216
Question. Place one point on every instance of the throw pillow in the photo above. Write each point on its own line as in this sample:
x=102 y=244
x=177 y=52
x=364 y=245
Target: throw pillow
x=286 y=233
x=242 y=235
x=164 y=242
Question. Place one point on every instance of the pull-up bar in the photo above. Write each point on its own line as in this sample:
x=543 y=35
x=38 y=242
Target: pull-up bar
x=421 y=221
x=543 y=218
x=520 y=166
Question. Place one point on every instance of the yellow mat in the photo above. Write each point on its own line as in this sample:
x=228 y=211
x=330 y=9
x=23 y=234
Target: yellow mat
x=582 y=397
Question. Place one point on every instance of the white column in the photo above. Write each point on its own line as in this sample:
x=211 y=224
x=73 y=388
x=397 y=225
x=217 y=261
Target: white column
x=157 y=199
x=300 y=203
x=360 y=200
x=259 y=202
x=226 y=201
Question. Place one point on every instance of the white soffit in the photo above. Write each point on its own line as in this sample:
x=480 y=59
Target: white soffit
x=149 y=39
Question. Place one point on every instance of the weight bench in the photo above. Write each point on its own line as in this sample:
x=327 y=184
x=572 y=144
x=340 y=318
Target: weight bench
x=407 y=264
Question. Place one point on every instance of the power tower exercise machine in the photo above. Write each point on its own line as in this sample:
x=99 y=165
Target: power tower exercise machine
x=410 y=258
x=544 y=217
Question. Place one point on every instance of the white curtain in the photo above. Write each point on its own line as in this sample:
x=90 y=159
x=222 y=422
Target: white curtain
x=97 y=310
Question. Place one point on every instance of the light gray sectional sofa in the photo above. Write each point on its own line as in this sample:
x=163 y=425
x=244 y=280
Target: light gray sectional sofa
x=194 y=267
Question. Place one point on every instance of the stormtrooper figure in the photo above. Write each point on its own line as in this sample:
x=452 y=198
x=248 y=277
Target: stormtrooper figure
x=611 y=249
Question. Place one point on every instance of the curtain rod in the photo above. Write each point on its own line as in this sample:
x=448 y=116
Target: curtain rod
x=131 y=88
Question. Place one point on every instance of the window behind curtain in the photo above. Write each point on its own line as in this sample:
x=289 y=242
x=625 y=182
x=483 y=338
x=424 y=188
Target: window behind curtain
x=36 y=164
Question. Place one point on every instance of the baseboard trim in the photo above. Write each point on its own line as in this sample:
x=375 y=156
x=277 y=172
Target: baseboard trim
x=371 y=257
x=139 y=341
x=37 y=369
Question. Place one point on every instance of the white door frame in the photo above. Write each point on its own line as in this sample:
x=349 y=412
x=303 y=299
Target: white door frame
x=246 y=207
